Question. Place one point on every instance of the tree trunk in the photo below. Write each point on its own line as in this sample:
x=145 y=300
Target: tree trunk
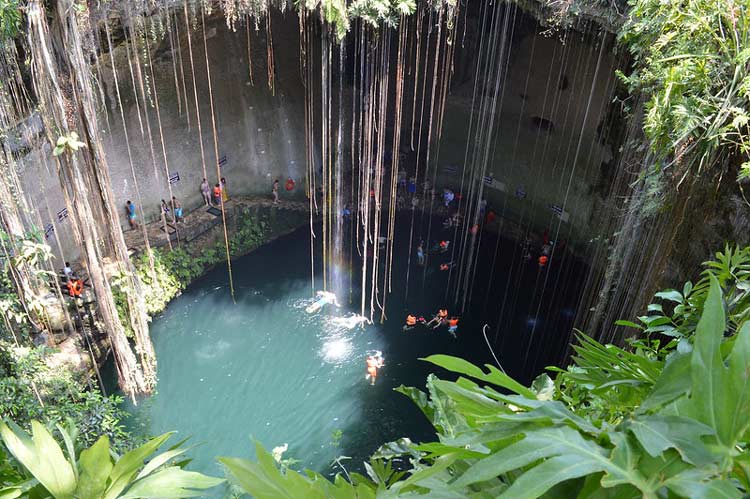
x=66 y=100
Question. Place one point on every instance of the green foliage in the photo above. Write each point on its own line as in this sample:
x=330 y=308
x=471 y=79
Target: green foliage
x=97 y=472
x=10 y=18
x=648 y=421
x=69 y=143
x=175 y=269
x=25 y=379
x=385 y=12
x=691 y=62
x=28 y=256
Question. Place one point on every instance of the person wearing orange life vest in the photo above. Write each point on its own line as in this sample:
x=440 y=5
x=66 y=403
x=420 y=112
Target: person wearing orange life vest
x=444 y=246
x=374 y=362
x=75 y=287
x=543 y=261
x=439 y=318
x=289 y=186
x=453 y=325
x=217 y=195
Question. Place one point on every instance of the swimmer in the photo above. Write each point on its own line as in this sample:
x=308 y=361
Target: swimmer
x=444 y=246
x=420 y=254
x=453 y=325
x=352 y=321
x=447 y=266
x=374 y=362
x=324 y=298
x=411 y=322
x=543 y=261
x=439 y=318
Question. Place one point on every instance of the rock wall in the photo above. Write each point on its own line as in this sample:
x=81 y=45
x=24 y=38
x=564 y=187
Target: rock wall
x=259 y=132
x=548 y=157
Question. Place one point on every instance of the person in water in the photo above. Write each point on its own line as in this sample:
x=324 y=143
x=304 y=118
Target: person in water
x=420 y=254
x=446 y=266
x=412 y=321
x=543 y=260
x=374 y=362
x=453 y=325
x=439 y=319
x=346 y=214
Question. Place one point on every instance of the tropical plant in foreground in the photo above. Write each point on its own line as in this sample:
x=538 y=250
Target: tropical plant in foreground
x=686 y=436
x=96 y=472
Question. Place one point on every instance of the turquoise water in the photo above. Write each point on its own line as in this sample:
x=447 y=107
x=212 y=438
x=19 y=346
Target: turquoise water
x=265 y=369
x=262 y=368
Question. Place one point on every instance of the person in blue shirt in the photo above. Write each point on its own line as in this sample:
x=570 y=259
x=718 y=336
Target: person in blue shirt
x=131 y=214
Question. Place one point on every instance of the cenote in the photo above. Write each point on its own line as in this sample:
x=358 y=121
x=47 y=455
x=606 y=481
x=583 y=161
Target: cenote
x=186 y=186
x=264 y=369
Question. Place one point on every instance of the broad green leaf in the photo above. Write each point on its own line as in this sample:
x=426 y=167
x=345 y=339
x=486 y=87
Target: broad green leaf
x=673 y=382
x=551 y=472
x=670 y=295
x=536 y=445
x=127 y=466
x=420 y=399
x=658 y=433
x=495 y=376
x=171 y=482
x=738 y=385
x=252 y=479
x=42 y=457
x=699 y=483
x=160 y=460
x=96 y=465
x=625 y=323
x=710 y=397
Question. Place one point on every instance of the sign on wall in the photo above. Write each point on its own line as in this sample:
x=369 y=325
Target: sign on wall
x=62 y=214
x=174 y=178
x=521 y=192
x=223 y=161
x=48 y=230
x=450 y=169
x=560 y=212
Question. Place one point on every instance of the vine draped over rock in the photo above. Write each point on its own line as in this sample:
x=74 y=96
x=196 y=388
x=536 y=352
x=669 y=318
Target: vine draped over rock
x=691 y=62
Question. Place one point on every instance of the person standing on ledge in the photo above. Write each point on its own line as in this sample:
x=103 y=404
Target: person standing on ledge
x=176 y=209
x=206 y=192
x=224 y=192
x=217 y=195
x=130 y=207
x=275 y=191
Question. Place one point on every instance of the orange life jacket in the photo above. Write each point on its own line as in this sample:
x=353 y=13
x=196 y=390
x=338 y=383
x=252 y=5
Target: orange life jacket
x=543 y=260
x=453 y=322
x=289 y=184
x=75 y=288
x=411 y=320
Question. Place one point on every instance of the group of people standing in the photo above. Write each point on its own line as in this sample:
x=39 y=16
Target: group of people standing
x=216 y=196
